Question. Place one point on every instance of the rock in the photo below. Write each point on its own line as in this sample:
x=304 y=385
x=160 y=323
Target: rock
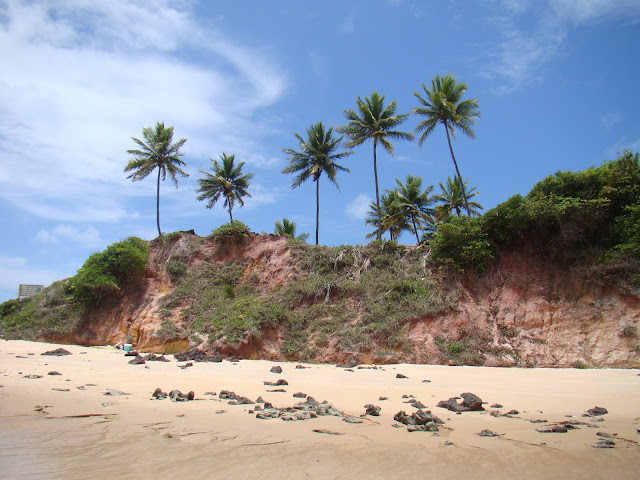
x=607 y=435
x=372 y=410
x=383 y=398
x=552 y=429
x=196 y=355
x=538 y=421
x=53 y=372
x=327 y=432
x=512 y=412
x=348 y=370
x=448 y=443
x=470 y=402
x=114 y=392
x=137 y=361
x=60 y=389
x=429 y=381
x=300 y=367
x=158 y=394
x=260 y=399
x=58 y=352
x=399 y=375
x=280 y=382
x=186 y=365
x=32 y=377
x=276 y=369
x=604 y=443
x=597 y=411
x=210 y=393
x=220 y=412
x=131 y=353
x=417 y=404
x=227 y=395
x=421 y=417
x=241 y=401
x=299 y=395
x=496 y=405
x=429 y=427
x=350 y=419
x=488 y=433
x=178 y=396
x=152 y=357
x=277 y=390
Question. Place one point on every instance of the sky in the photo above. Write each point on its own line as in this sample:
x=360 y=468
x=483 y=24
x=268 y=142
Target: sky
x=557 y=83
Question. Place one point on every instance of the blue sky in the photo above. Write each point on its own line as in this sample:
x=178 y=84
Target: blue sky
x=557 y=82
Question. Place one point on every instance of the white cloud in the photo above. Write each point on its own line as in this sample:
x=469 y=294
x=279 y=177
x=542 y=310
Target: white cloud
x=79 y=78
x=610 y=120
x=87 y=237
x=359 y=206
x=533 y=34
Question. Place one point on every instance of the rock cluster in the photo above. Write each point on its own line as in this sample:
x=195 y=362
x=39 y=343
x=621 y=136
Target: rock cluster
x=470 y=402
x=420 y=421
x=174 y=395
x=300 y=411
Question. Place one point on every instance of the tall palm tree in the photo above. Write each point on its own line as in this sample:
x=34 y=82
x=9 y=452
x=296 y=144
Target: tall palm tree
x=158 y=150
x=443 y=104
x=288 y=229
x=414 y=202
x=453 y=197
x=227 y=181
x=317 y=154
x=392 y=216
x=374 y=121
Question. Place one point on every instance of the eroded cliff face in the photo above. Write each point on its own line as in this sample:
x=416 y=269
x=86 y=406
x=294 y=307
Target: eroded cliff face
x=523 y=312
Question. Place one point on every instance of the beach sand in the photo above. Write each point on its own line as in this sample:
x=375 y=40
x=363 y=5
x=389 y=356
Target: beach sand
x=83 y=433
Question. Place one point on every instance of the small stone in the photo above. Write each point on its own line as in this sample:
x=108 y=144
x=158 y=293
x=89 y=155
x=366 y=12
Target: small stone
x=301 y=367
x=429 y=381
x=488 y=433
x=53 y=372
x=299 y=395
x=276 y=369
x=350 y=419
x=496 y=405
x=137 y=361
x=383 y=398
x=372 y=410
x=448 y=443
x=399 y=375
x=552 y=429
x=512 y=412
x=597 y=411
x=32 y=377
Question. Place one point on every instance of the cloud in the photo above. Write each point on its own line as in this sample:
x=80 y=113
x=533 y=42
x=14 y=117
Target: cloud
x=359 y=207
x=623 y=144
x=610 y=120
x=532 y=34
x=80 y=78
x=87 y=237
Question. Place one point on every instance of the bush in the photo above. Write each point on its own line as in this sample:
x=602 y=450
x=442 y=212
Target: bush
x=463 y=242
x=233 y=230
x=107 y=272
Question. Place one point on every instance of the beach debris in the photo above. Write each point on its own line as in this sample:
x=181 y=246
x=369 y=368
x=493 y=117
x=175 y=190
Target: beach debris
x=58 y=352
x=276 y=369
x=137 y=361
x=178 y=396
x=299 y=395
x=32 y=377
x=113 y=392
x=420 y=421
x=372 y=410
x=595 y=412
x=195 y=355
x=470 y=403
x=186 y=365
x=488 y=433
x=399 y=375
x=280 y=382
x=53 y=372
x=350 y=419
x=327 y=432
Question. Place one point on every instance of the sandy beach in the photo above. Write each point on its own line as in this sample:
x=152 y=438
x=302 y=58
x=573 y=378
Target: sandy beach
x=97 y=419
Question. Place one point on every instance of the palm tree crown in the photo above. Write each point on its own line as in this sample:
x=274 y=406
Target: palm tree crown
x=317 y=154
x=287 y=228
x=373 y=121
x=227 y=181
x=453 y=200
x=157 y=151
x=443 y=104
x=392 y=216
x=414 y=202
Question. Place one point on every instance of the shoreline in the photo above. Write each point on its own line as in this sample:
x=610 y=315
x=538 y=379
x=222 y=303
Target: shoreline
x=83 y=432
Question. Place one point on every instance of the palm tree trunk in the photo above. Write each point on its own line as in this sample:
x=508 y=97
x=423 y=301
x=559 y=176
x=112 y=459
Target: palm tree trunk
x=375 y=176
x=455 y=164
x=230 y=216
x=317 y=207
x=413 y=219
x=158 y=204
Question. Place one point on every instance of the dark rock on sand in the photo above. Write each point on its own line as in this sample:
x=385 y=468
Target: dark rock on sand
x=195 y=355
x=227 y=395
x=488 y=433
x=429 y=427
x=53 y=372
x=470 y=402
x=417 y=404
x=327 y=432
x=276 y=369
x=32 y=377
x=260 y=399
x=496 y=405
x=299 y=395
x=382 y=399
x=301 y=367
x=58 y=352
x=239 y=400
x=399 y=375
x=421 y=417
x=552 y=429
x=372 y=410
x=178 y=396
x=350 y=419
x=158 y=394
x=152 y=357
x=280 y=382
x=137 y=361
x=277 y=390
x=131 y=353
x=596 y=411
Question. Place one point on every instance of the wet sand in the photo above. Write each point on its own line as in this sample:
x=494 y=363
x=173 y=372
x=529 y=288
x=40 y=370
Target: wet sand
x=83 y=433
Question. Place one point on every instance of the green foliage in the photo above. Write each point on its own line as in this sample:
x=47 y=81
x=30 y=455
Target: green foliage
x=462 y=242
x=233 y=230
x=107 y=272
x=176 y=269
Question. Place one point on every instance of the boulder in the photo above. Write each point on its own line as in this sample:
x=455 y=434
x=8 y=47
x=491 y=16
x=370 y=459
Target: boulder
x=58 y=352
x=372 y=410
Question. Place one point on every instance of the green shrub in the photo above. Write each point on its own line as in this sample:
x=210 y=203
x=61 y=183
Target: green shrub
x=463 y=242
x=107 y=272
x=176 y=270
x=232 y=230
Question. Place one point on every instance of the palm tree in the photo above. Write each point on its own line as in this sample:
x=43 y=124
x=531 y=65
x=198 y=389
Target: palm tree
x=157 y=151
x=227 y=181
x=374 y=121
x=443 y=104
x=392 y=216
x=288 y=229
x=414 y=202
x=453 y=197
x=317 y=154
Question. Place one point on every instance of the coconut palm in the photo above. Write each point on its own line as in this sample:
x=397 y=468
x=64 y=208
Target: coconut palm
x=414 y=202
x=453 y=197
x=443 y=104
x=158 y=150
x=391 y=214
x=227 y=181
x=373 y=121
x=288 y=229
x=317 y=154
